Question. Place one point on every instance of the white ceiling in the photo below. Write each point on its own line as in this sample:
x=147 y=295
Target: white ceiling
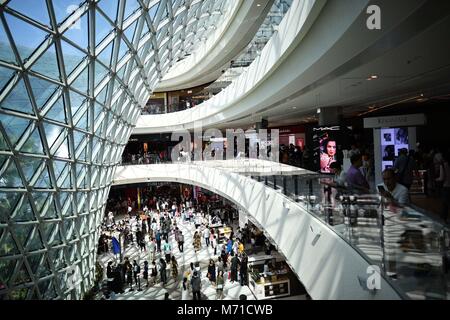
x=418 y=65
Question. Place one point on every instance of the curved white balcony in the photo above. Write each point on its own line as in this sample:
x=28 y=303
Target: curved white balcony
x=205 y=64
x=327 y=265
x=323 y=54
x=291 y=30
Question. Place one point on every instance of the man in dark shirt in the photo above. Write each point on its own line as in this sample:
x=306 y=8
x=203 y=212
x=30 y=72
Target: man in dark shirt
x=196 y=286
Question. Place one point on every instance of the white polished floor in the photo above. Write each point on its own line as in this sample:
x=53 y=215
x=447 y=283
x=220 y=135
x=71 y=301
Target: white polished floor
x=232 y=291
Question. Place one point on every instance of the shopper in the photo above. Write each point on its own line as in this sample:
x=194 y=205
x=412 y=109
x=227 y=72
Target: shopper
x=152 y=249
x=196 y=285
x=158 y=240
x=229 y=246
x=234 y=267
x=174 y=268
x=198 y=220
x=180 y=241
x=339 y=174
x=167 y=248
x=214 y=244
x=219 y=285
x=129 y=272
x=136 y=272
x=224 y=257
x=206 y=234
x=444 y=179
x=197 y=241
x=405 y=166
x=109 y=270
x=163 y=271
x=154 y=273
x=185 y=289
x=145 y=273
x=355 y=178
x=212 y=271
x=243 y=270
x=392 y=190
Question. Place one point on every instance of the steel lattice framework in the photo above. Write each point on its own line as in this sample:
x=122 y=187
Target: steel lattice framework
x=72 y=80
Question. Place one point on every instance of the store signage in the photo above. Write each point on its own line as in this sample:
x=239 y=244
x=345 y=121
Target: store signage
x=157 y=95
x=408 y=120
x=291 y=130
x=335 y=128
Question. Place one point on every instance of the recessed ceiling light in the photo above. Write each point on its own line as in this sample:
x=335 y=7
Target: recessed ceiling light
x=258 y=5
x=372 y=77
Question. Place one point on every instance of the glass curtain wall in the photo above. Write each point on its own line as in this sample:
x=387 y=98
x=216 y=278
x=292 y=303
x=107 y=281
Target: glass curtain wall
x=73 y=77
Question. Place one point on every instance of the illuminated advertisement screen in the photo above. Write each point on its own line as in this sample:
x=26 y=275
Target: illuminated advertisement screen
x=392 y=141
x=327 y=145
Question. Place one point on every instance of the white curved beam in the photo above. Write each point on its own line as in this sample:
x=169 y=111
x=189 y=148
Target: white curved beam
x=332 y=41
x=205 y=64
x=291 y=30
x=327 y=265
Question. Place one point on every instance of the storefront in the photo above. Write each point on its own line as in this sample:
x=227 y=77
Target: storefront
x=269 y=274
x=292 y=135
x=392 y=134
x=270 y=284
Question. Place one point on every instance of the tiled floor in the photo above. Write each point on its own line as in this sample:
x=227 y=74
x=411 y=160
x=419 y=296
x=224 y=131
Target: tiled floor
x=232 y=291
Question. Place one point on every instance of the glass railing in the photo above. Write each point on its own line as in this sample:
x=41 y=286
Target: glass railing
x=161 y=109
x=407 y=243
x=410 y=246
x=149 y=158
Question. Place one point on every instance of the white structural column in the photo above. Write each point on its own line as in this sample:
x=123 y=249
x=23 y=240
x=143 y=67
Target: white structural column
x=328 y=266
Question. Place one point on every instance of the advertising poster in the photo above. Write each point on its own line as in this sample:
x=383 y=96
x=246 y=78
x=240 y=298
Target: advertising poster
x=327 y=147
x=392 y=141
